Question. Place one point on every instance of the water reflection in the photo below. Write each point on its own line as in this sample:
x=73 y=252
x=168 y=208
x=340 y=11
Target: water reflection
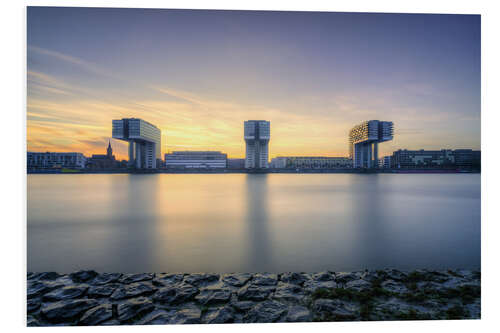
x=253 y=222
x=257 y=221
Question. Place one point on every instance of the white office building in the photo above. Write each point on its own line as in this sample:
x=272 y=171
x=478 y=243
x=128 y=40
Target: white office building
x=144 y=141
x=310 y=162
x=50 y=160
x=196 y=159
x=257 y=134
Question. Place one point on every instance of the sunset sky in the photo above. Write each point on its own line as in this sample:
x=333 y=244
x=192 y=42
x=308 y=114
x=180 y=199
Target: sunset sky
x=198 y=75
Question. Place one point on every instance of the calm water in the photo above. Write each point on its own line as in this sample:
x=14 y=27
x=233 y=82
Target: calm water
x=239 y=222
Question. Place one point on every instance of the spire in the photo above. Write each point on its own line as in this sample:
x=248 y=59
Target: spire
x=109 y=150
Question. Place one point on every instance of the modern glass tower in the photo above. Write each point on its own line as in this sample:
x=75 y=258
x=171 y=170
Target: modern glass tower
x=144 y=141
x=257 y=135
x=364 y=139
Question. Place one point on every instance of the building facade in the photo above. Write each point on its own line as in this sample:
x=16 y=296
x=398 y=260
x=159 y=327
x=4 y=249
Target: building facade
x=257 y=134
x=364 y=139
x=310 y=162
x=236 y=163
x=196 y=159
x=144 y=141
x=106 y=161
x=444 y=158
x=51 y=160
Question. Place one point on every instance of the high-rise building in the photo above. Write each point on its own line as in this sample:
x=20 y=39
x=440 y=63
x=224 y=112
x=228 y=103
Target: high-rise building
x=144 y=141
x=364 y=139
x=195 y=159
x=257 y=135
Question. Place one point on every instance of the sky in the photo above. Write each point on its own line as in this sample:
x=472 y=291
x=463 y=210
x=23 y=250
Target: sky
x=199 y=74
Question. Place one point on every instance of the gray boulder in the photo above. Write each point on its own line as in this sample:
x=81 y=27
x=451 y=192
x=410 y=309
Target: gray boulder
x=106 y=278
x=132 y=290
x=176 y=294
x=66 y=311
x=219 y=316
x=266 y=312
x=213 y=296
x=133 y=278
x=134 y=309
x=236 y=279
x=96 y=315
x=189 y=314
x=67 y=292
x=298 y=313
x=201 y=279
x=83 y=276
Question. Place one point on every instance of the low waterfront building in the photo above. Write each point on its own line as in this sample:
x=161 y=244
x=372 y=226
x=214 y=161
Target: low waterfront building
x=236 y=163
x=196 y=159
x=385 y=162
x=310 y=162
x=50 y=160
x=99 y=161
x=444 y=158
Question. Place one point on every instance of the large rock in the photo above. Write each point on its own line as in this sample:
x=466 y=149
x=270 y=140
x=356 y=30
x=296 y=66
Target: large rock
x=38 y=288
x=66 y=311
x=394 y=274
x=334 y=309
x=189 y=314
x=166 y=279
x=219 y=316
x=32 y=322
x=298 y=313
x=358 y=285
x=288 y=292
x=243 y=306
x=176 y=294
x=132 y=290
x=106 y=278
x=254 y=292
x=96 y=315
x=394 y=287
x=213 y=296
x=311 y=286
x=236 y=279
x=201 y=279
x=133 y=278
x=134 y=309
x=266 y=312
x=344 y=277
x=64 y=293
x=265 y=279
x=157 y=317
x=294 y=278
x=102 y=291
x=33 y=305
x=83 y=276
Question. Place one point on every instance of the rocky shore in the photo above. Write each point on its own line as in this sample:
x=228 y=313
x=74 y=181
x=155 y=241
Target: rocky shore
x=91 y=298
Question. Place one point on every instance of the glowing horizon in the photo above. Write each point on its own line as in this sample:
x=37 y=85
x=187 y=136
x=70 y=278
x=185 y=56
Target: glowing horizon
x=198 y=75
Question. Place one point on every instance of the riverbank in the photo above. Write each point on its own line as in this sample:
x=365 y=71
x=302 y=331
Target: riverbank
x=248 y=171
x=91 y=298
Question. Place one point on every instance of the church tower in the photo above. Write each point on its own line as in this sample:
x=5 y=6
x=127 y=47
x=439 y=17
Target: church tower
x=109 y=150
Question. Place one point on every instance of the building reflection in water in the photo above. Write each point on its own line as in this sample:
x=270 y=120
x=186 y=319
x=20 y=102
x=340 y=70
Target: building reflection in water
x=257 y=220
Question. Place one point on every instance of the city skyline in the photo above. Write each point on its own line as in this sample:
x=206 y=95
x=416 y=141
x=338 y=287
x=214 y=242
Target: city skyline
x=199 y=74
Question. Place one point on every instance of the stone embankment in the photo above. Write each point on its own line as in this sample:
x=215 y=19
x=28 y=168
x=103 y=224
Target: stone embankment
x=90 y=298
